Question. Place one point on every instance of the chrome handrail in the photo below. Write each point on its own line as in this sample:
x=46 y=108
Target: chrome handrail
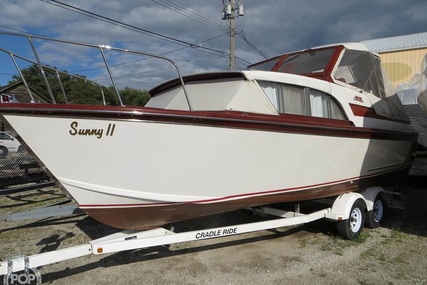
x=101 y=48
x=57 y=71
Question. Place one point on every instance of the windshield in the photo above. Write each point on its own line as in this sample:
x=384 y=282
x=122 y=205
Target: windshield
x=304 y=62
x=307 y=62
x=267 y=65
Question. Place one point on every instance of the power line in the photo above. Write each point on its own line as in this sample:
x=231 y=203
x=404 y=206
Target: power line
x=131 y=27
x=272 y=26
x=243 y=36
x=180 y=8
x=290 y=17
x=137 y=29
x=308 y=12
x=190 y=13
x=174 y=59
x=156 y=70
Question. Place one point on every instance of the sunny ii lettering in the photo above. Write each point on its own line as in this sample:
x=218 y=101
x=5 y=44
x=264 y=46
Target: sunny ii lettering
x=96 y=132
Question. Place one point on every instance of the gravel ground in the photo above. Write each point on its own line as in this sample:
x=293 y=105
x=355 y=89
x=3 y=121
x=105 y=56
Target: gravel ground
x=395 y=253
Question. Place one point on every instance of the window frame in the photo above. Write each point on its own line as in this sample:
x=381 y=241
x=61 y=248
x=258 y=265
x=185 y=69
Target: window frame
x=327 y=100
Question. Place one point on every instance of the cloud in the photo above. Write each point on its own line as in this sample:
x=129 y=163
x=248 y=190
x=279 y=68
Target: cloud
x=273 y=27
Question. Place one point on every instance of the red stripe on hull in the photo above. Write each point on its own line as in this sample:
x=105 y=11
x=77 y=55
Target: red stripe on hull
x=146 y=217
x=285 y=123
x=362 y=111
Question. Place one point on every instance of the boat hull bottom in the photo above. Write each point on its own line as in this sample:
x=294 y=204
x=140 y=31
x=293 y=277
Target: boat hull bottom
x=147 y=217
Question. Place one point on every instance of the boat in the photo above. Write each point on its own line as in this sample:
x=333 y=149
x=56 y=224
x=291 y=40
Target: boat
x=422 y=96
x=408 y=93
x=300 y=126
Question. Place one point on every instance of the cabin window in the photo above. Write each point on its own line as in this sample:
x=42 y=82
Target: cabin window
x=291 y=100
x=319 y=104
x=323 y=105
x=336 y=111
x=297 y=100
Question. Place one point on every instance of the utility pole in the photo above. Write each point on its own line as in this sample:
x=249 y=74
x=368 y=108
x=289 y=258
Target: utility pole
x=232 y=34
x=229 y=13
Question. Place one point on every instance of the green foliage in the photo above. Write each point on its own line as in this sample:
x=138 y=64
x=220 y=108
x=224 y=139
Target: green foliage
x=134 y=97
x=77 y=88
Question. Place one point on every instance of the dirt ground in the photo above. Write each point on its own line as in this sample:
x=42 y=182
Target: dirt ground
x=395 y=253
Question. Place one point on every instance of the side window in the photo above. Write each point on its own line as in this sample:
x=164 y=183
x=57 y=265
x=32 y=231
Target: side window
x=336 y=111
x=271 y=89
x=291 y=100
x=323 y=105
x=319 y=105
x=296 y=100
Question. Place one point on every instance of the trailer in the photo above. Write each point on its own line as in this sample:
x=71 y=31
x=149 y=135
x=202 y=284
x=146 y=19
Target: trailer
x=350 y=210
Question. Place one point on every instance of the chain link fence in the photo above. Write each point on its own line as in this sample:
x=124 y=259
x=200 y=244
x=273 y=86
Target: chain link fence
x=19 y=167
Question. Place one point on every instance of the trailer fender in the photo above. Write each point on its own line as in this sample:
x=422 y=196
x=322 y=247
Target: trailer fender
x=342 y=205
x=370 y=194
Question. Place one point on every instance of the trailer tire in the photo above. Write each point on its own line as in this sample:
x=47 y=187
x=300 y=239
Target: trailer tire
x=3 y=151
x=353 y=226
x=375 y=216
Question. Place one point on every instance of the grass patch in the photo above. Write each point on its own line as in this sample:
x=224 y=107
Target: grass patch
x=397 y=235
x=363 y=237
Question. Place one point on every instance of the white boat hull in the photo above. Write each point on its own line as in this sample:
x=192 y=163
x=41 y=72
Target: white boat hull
x=143 y=164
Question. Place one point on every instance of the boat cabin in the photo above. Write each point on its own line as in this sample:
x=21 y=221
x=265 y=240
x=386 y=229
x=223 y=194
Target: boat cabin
x=299 y=83
x=351 y=64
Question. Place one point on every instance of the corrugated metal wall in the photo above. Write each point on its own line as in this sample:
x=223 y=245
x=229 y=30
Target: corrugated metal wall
x=401 y=66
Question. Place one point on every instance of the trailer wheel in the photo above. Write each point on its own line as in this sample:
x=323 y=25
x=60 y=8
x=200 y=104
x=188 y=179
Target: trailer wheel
x=376 y=215
x=353 y=226
x=3 y=151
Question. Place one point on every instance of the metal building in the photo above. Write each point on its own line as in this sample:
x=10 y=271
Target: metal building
x=401 y=55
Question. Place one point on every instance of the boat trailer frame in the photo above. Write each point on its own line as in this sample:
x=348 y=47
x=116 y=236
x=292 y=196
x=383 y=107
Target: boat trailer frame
x=129 y=240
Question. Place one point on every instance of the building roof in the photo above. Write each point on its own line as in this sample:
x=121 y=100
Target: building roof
x=404 y=42
x=21 y=92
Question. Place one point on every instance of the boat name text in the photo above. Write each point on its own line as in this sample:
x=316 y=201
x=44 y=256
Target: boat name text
x=216 y=233
x=98 y=133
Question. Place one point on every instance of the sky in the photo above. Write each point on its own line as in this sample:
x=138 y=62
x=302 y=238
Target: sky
x=191 y=33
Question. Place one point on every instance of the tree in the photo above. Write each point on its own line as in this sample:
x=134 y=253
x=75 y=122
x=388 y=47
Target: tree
x=78 y=89
x=134 y=97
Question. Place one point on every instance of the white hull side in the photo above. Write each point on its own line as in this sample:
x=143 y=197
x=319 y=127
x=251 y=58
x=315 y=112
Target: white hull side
x=149 y=162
